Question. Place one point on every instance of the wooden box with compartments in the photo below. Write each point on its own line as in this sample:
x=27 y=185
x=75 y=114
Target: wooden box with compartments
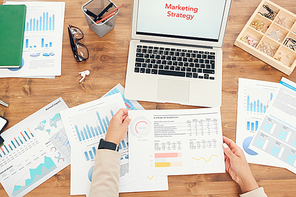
x=270 y=35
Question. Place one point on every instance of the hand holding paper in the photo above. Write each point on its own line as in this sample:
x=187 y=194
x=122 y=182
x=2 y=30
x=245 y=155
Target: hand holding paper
x=118 y=127
x=237 y=166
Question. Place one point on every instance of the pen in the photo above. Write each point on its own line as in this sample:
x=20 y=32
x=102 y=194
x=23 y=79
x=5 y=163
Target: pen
x=109 y=14
x=106 y=17
x=113 y=10
x=90 y=13
x=103 y=12
x=3 y=103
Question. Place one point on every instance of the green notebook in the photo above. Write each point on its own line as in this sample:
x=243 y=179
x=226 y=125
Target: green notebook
x=12 y=23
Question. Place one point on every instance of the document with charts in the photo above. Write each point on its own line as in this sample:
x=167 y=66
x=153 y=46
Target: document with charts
x=34 y=150
x=42 y=48
x=275 y=139
x=85 y=125
x=254 y=98
x=176 y=142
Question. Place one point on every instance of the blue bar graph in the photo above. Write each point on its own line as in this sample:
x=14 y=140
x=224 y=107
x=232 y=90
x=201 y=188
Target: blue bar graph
x=82 y=135
x=49 y=23
x=27 y=134
x=257 y=105
x=46 y=45
x=77 y=132
x=101 y=123
x=96 y=130
x=92 y=131
x=291 y=159
x=30 y=24
x=89 y=132
x=91 y=154
x=52 y=22
x=13 y=144
x=42 y=42
x=105 y=124
x=283 y=135
x=259 y=142
x=86 y=156
x=119 y=146
x=40 y=23
x=20 y=140
x=50 y=44
x=27 y=43
x=85 y=133
x=100 y=131
x=123 y=144
x=94 y=150
x=252 y=126
x=34 y=24
x=46 y=22
x=43 y=21
x=267 y=127
x=6 y=148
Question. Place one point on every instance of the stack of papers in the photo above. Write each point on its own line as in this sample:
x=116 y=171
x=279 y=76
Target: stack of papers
x=266 y=128
x=42 y=47
x=85 y=125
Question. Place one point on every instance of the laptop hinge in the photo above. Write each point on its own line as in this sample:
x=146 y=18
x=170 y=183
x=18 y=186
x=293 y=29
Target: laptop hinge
x=176 y=44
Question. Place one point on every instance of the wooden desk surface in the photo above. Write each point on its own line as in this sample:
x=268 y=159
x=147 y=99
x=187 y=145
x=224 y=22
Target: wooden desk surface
x=107 y=64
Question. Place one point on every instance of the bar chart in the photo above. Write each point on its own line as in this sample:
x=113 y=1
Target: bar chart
x=88 y=132
x=45 y=22
x=252 y=125
x=17 y=141
x=38 y=43
x=258 y=103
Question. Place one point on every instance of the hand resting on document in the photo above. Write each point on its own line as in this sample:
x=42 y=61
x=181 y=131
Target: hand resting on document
x=237 y=166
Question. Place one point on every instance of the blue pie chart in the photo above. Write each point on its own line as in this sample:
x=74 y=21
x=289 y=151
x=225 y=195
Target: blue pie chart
x=246 y=144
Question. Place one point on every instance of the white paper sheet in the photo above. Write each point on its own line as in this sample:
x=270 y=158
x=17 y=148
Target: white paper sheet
x=34 y=150
x=276 y=136
x=92 y=119
x=42 y=48
x=76 y=187
x=254 y=98
x=176 y=142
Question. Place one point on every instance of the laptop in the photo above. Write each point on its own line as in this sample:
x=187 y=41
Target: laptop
x=175 y=51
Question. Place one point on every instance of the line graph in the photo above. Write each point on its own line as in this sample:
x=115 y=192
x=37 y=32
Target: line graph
x=36 y=174
x=204 y=158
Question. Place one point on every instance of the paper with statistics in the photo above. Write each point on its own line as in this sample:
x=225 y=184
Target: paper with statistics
x=76 y=187
x=42 y=48
x=86 y=124
x=176 y=142
x=254 y=98
x=34 y=150
x=276 y=135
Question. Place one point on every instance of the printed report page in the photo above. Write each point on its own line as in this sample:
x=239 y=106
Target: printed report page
x=175 y=142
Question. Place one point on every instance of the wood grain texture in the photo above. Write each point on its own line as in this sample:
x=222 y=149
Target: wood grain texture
x=107 y=64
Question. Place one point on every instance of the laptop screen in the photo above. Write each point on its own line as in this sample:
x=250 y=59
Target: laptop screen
x=184 y=19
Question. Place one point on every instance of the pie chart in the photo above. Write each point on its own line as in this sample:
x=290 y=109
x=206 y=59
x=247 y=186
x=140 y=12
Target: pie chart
x=246 y=144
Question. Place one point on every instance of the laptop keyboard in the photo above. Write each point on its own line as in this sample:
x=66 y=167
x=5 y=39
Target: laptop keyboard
x=175 y=62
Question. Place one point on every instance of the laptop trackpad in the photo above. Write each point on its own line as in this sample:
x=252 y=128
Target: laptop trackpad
x=173 y=90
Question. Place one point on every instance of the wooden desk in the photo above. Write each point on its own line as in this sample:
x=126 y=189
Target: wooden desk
x=107 y=63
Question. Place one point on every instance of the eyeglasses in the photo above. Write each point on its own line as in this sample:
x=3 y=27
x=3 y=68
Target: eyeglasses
x=79 y=50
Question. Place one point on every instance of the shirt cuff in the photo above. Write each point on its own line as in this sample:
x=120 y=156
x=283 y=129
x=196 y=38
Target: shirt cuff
x=259 y=192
